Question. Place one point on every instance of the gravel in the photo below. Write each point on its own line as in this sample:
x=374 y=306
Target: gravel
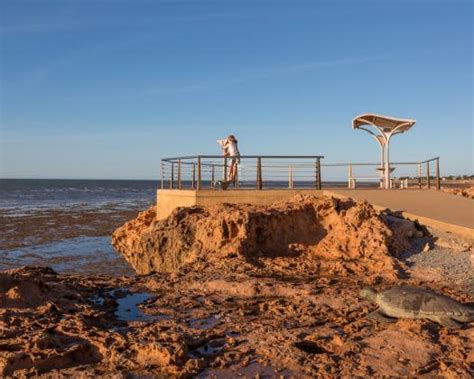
x=454 y=266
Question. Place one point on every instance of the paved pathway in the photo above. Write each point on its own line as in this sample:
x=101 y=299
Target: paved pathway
x=433 y=205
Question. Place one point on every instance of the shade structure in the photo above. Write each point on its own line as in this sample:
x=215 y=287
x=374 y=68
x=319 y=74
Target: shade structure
x=385 y=124
x=382 y=128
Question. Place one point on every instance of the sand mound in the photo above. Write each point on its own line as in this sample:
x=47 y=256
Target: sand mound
x=329 y=235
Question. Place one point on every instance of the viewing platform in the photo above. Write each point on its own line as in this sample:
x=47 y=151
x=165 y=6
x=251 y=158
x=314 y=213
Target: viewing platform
x=193 y=181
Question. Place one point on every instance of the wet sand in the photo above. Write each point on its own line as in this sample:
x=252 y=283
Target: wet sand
x=70 y=240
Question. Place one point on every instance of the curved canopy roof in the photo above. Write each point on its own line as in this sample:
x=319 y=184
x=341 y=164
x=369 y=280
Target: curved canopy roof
x=385 y=124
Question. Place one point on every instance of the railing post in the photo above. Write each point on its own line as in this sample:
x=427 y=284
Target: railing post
x=212 y=176
x=428 y=184
x=179 y=174
x=193 y=183
x=318 y=173
x=259 y=173
x=438 y=183
x=290 y=177
x=172 y=176
x=236 y=180
x=199 y=173
x=225 y=169
x=419 y=175
x=162 y=175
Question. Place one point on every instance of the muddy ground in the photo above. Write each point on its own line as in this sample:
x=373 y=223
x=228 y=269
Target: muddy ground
x=70 y=240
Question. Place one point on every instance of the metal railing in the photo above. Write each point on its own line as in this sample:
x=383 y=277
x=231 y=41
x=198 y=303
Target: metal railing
x=272 y=171
x=422 y=174
x=253 y=171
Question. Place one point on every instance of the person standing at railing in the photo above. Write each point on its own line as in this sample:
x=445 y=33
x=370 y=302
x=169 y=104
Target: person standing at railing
x=230 y=149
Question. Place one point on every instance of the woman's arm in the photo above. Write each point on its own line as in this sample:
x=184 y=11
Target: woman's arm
x=224 y=144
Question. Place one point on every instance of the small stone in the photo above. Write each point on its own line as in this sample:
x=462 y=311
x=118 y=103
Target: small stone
x=231 y=341
x=465 y=247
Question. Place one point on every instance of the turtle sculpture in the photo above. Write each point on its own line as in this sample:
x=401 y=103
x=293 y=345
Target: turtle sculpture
x=409 y=302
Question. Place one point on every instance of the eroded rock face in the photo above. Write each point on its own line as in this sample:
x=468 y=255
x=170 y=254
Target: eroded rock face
x=330 y=235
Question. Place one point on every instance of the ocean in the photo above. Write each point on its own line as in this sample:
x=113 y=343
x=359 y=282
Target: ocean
x=67 y=224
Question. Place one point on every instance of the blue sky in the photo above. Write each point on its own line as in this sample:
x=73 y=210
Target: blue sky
x=105 y=89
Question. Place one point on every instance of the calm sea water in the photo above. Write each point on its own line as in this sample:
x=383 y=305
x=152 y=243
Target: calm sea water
x=25 y=196
x=67 y=224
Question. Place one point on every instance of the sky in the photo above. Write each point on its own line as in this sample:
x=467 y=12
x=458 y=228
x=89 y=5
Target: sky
x=105 y=89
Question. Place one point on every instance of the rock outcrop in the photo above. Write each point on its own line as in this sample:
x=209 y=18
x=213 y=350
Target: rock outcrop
x=331 y=236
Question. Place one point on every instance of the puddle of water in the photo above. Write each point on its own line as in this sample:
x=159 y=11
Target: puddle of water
x=80 y=255
x=211 y=348
x=231 y=333
x=205 y=323
x=127 y=309
x=127 y=304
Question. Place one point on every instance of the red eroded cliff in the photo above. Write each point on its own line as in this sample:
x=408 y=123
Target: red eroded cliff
x=331 y=236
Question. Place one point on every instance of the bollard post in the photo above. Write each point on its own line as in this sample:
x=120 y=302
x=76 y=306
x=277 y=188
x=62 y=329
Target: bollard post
x=290 y=177
x=259 y=173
